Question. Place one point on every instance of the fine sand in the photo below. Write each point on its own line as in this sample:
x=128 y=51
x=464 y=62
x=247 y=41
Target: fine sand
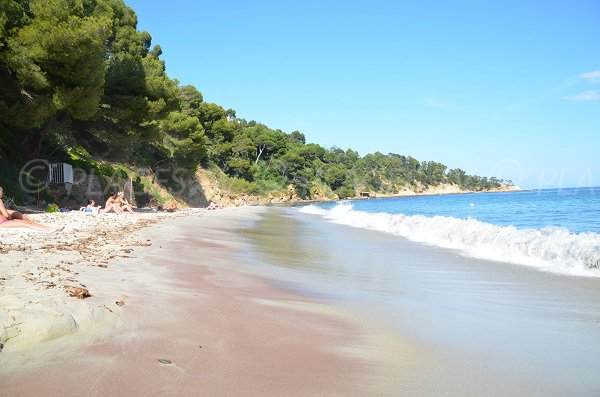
x=173 y=312
x=38 y=269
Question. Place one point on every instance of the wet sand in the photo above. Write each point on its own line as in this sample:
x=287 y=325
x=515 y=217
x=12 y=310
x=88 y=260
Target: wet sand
x=484 y=328
x=219 y=329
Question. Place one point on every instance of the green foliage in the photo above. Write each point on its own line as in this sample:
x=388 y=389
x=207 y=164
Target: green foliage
x=266 y=186
x=52 y=208
x=242 y=146
x=298 y=138
x=434 y=173
x=184 y=140
x=78 y=74
x=222 y=130
x=108 y=174
x=190 y=99
x=209 y=113
x=237 y=185
x=78 y=157
x=336 y=176
x=242 y=168
x=345 y=192
x=59 y=59
x=457 y=176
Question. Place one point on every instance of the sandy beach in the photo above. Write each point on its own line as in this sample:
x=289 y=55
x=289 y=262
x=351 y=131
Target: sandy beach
x=39 y=269
x=258 y=301
x=172 y=312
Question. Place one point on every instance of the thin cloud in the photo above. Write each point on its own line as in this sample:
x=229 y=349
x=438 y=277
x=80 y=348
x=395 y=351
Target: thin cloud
x=592 y=95
x=591 y=77
x=432 y=101
x=552 y=92
x=435 y=103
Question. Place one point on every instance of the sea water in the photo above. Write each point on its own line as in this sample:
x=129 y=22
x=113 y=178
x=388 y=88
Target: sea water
x=502 y=289
x=554 y=230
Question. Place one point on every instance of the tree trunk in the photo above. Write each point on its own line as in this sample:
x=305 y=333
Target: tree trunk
x=260 y=151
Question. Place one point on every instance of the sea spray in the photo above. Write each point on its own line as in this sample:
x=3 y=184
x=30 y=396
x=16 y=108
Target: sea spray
x=551 y=249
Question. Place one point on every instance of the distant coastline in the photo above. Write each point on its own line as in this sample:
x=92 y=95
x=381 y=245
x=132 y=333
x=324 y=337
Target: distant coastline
x=444 y=189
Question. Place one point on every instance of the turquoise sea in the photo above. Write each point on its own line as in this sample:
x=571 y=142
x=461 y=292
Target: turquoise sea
x=502 y=290
x=556 y=230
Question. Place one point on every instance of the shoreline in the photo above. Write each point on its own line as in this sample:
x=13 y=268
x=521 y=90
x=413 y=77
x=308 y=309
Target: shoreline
x=486 y=325
x=221 y=328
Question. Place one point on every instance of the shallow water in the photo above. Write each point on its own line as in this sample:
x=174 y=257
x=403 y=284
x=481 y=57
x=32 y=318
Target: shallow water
x=495 y=328
x=551 y=230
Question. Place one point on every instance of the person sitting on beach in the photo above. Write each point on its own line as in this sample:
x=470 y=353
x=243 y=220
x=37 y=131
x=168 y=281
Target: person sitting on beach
x=213 y=206
x=112 y=204
x=14 y=219
x=123 y=203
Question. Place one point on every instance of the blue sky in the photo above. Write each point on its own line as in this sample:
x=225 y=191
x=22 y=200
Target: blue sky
x=498 y=88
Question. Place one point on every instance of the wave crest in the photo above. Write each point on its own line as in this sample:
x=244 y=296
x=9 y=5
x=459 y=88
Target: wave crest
x=551 y=248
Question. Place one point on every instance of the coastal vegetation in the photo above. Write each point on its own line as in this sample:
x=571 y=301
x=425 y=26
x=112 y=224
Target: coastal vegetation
x=80 y=83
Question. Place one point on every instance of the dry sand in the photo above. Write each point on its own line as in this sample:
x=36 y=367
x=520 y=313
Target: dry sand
x=37 y=269
x=173 y=291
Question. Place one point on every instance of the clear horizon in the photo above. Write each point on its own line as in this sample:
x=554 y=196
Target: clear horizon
x=508 y=89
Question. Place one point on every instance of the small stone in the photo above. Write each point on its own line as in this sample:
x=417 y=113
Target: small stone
x=165 y=361
x=77 y=292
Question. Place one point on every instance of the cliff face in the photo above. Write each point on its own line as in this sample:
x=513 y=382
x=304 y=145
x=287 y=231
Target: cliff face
x=208 y=190
x=444 y=188
x=209 y=184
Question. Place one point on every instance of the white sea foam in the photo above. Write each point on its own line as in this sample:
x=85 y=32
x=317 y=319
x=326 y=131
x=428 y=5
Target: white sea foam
x=551 y=249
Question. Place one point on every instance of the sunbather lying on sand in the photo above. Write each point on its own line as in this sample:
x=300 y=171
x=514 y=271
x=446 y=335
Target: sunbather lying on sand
x=91 y=207
x=14 y=219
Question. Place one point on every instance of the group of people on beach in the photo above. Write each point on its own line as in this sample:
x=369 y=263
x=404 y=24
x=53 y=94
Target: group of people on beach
x=116 y=203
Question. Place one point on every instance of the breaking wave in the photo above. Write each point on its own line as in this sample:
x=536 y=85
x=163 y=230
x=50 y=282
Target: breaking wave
x=551 y=249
